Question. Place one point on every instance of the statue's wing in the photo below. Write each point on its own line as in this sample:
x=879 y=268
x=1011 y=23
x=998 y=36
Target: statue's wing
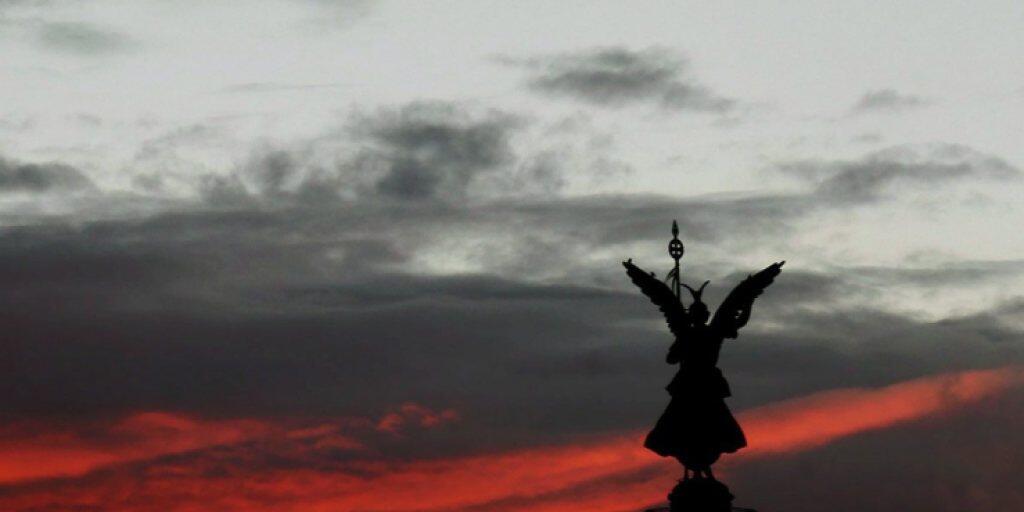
x=662 y=296
x=734 y=312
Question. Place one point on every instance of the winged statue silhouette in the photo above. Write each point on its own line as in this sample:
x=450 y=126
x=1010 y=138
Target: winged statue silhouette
x=697 y=426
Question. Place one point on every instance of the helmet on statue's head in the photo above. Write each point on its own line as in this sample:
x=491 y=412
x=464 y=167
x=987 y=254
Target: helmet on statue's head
x=698 y=310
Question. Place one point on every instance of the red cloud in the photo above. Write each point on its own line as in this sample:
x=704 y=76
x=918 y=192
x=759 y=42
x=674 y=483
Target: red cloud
x=34 y=450
x=415 y=414
x=261 y=466
x=811 y=421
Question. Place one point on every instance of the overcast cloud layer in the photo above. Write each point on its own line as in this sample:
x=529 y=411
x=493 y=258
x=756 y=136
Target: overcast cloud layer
x=320 y=236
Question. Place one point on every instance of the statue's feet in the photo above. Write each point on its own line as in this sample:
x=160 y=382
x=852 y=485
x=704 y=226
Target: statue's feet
x=698 y=473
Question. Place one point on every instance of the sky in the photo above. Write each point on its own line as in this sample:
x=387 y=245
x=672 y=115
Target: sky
x=364 y=255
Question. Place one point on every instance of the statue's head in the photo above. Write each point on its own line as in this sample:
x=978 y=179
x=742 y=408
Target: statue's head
x=698 y=310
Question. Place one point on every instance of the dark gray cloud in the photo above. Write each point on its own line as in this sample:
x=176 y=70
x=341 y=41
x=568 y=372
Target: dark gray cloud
x=81 y=38
x=168 y=314
x=16 y=123
x=870 y=177
x=31 y=177
x=334 y=14
x=888 y=100
x=868 y=138
x=448 y=166
x=36 y=25
x=965 y=273
x=863 y=346
x=424 y=152
x=324 y=312
x=617 y=76
x=429 y=150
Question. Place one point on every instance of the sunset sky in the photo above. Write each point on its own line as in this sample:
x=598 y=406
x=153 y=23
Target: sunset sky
x=316 y=255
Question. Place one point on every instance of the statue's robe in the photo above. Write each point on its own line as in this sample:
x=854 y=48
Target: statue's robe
x=697 y=427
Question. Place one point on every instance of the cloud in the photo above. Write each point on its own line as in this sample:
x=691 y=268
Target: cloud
x=32 y=450
x=959 y=273
x=426 y=151
x=38 y=449
x=867 y=179
x=617 y=76
x=411 y=413
x=534 y=299
x=182 y=311
x=270 y=87
x=304 y=284
x=422 y=152
x=317 y=467
x=30 y=177
x=17 y=123
x=888 y=100
x=309 y=267
x=81 y=38
x=803 y=423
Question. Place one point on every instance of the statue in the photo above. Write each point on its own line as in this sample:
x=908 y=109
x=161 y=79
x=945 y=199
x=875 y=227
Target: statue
x=697 y=426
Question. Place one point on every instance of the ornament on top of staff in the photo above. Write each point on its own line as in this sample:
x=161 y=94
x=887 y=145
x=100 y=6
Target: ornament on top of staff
x=675 y=250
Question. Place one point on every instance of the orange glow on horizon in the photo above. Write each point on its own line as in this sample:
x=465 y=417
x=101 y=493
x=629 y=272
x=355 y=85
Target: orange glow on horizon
x=218 y=465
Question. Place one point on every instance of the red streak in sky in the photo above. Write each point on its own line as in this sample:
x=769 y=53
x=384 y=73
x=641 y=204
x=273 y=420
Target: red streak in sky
x=818 y=419
x=219 y=465
x=33 y=450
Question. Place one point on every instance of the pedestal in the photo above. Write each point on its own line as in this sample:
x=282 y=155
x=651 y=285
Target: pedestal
x=700 y=495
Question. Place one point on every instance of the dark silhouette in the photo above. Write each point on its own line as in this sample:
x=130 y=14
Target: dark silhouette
x=697 y=426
